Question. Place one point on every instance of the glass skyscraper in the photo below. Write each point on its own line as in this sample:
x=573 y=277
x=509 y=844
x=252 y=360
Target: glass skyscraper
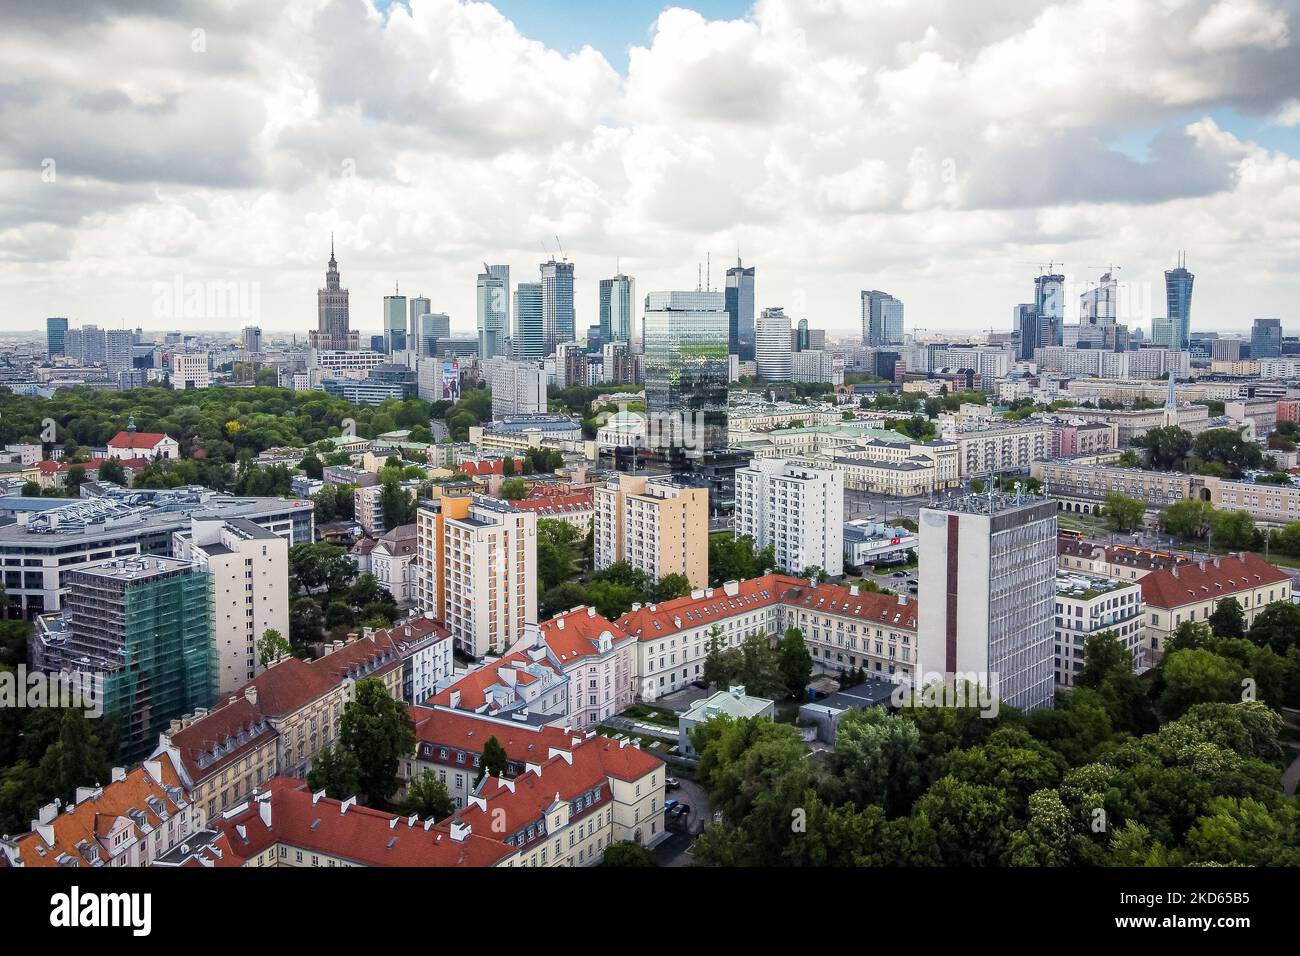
x=558 y=321
x=882 y=318
x=740 y=311
x=526 y=338
x=1049 y=306
x=617 y=298
x=55 y=330
x=419 y=306
x=1266 y=339
x=685 y=370
x=493 y=311
x=394 y=322
x=1178 y=295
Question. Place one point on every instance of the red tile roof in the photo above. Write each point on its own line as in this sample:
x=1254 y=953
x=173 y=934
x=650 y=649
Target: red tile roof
x=489 y=466
x=48 y=467
x=77 y=833
x=1209 y=579
x=438 y=727
x=136 y=439
x=545 y=506
x=659 y=620
x=576 y=634
x=473 y=686
x=865 y=605
x=298 y=821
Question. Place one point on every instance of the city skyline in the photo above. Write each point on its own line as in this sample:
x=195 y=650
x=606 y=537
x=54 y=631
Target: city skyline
x=1161 y=132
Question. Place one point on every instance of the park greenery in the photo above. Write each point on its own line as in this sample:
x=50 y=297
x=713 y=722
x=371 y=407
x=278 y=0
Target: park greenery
x=1218 y=452
x=329 y=595
x=375 y=735
x=1181 y=766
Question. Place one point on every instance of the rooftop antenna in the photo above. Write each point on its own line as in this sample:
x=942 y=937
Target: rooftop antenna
x=708 y=272
x=699 y=281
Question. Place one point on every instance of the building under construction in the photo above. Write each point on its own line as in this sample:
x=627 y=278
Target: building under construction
x=145 y=624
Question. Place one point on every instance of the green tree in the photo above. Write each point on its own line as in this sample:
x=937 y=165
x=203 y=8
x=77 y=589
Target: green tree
x=795 y=662
x=671 y=586
x=311 y=466
x=1196 y=676
x=514 y=489
x=1277 y=626
x=1232 y=529
x=336 y=771
x=1228 y=448
x=1122 y=512
x=494 y=760
x=305 y=621
x=112 y=470
x=1167 y=447
x=626 y=853
x=1228 y=619
x=1189 y=518
x=878 y=760
x=398 y=504
x=427 y=797
x=271 y=646
x=375 y=730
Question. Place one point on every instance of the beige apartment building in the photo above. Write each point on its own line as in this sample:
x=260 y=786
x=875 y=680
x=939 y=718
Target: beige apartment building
x=653 y=524
x=1133 y=423
x=476 y=569
x=250 y=589
x=993 y=447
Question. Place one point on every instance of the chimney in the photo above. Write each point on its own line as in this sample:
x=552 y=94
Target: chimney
x=347 y=805
x=636 y=607
x=118 y=774
x=460 y=831
x=591 y=612
x=559 y=623
x=853 y=590
x=250 y=692
x=455 y=698
x=317 y=797
x=264 y=809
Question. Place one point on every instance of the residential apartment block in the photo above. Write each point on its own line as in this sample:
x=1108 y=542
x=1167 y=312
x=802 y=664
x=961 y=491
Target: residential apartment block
x=1087 y=606
x=796 y=508
x=653 y=523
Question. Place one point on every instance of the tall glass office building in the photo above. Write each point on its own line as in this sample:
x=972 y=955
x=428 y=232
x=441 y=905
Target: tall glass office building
x=558 y=321
x=1266 y=339
x=1049 y=307
x=493 y=312
x=740 y=311
x=1178 y=295
x=882 y=318
x=617 y=301
x=394 y=322
x=55 y=331
x=685 y=368
x=526 y=338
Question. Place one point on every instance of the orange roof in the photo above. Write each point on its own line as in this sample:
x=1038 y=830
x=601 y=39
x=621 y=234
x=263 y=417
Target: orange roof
x=139 y=799
x=136 y=439
x=48 y=467
x=473 y=686
x=1209 y=579
x=544 y=505
x=658 y=620
x=438 y=727
x=576 y=633
x=865 y=605
x=358 y=835
x=489 y=466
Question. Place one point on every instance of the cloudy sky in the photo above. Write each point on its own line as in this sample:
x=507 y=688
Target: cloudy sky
x=936 y=149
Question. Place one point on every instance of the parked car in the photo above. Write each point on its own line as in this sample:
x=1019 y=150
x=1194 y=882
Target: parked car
x=670 y=783
x=701 y=684
x=670 y=805
x=680 y=810
x=900 y=574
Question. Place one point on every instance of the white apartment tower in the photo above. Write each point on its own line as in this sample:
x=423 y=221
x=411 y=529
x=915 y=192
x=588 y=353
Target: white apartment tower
x=518 y=388
x=796 y=507
x=250 y=589
x=988 y=573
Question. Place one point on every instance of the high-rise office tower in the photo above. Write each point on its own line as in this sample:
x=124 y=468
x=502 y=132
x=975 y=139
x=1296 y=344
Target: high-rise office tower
x=740 y=311
x=527 y=340
x=56 y=329
x=1178 y=295
x=1049 y=306
x=432 y=326
x=882 y=318
x=988 y=571
x=617 y=302
x=686 y=370
x=493 y=319
x=772 y=353
x=802 y=337
x=1098 y=304
x=333 y=326
x=419 y=306
x=1025 y=322
x=394 y=321
x=1266 y=339
x=118 y=344
x=558 y=320
x=252 y=338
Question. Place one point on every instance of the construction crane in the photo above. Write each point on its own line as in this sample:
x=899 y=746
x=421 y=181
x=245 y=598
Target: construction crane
x=563 y=257
x=1046 y=269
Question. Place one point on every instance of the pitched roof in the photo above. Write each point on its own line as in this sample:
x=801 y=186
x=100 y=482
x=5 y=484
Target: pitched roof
x=547 y=505
x=360 y=835
x=489 y=466
x=48 y=467
x=659 y=620
x=576 y=634
x=438 y=727
x=896 y=610
x=140 y=800
x=1209 y=579
x=474 y=686
x=136 y=439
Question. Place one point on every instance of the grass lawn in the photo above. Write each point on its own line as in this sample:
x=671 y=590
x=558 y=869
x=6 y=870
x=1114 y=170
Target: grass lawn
x=652 y=715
